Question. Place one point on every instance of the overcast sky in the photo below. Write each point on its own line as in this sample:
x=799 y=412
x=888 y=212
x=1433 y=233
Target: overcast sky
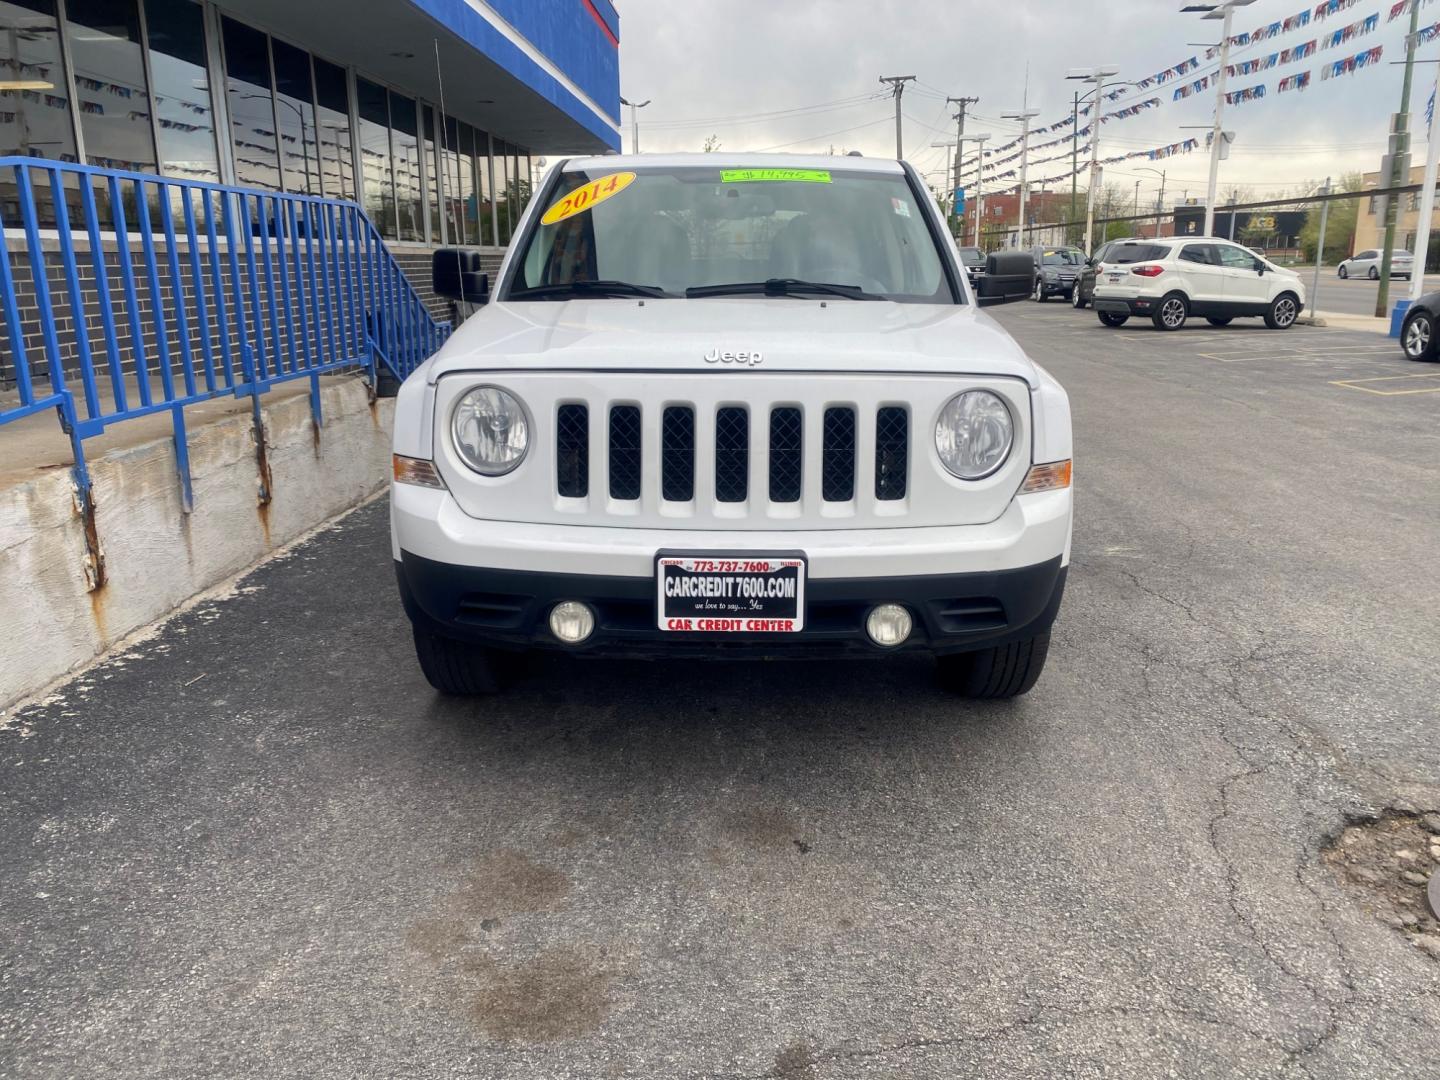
x=711 y=67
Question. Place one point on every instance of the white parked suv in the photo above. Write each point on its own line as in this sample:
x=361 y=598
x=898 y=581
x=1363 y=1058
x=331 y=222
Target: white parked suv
x=732 y=406
x=1170 y=279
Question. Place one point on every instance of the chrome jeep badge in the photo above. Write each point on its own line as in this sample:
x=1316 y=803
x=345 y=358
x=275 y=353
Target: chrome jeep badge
x=719 y=356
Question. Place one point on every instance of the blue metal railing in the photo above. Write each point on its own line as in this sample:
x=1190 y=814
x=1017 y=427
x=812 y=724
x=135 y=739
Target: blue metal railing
x=132 y=294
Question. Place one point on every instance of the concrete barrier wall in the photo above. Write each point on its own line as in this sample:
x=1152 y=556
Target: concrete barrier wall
x=156 y=556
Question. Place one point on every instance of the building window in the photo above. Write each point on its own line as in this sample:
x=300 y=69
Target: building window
x=459 y=181
x=35 y=114
x=503 y=181
x=332 y=122
x=295 y=115
x=430 y=152
x=110 y=89
x=378 y=180
x=405 y=151
x=184 y=113
x=485 y=190
x=252 y=112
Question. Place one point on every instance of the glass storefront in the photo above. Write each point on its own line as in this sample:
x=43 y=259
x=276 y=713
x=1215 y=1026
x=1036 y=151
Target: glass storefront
x=35 y=107
x=112 y=97
x=184 y=113
x=295 y=115
x=279 y=119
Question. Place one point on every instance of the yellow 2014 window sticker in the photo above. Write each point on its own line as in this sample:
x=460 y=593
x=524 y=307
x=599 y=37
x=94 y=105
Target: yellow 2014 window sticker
x=804 y=176
x=583 y=198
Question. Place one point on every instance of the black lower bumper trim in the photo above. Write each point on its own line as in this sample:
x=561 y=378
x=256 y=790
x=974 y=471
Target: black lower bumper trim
x=510 y=609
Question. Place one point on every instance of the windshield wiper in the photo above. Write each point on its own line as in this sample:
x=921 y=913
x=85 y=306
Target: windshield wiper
x=587 y=288
x=781 y=287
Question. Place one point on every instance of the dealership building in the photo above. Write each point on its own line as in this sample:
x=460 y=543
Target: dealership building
x=432 y=114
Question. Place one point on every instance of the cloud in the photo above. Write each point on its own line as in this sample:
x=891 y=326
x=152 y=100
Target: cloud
x=802 y=75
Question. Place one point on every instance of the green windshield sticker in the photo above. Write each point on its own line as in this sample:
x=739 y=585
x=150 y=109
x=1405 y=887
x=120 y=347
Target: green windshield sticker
x=805 y=176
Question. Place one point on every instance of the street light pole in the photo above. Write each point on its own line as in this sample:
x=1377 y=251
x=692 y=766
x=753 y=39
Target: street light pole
x=1024 y=116
x=963 y=102
x=979 y=141
x=635 y=122
x=1222 y=11
x=1399 y=162
x=1098 y=77
x=1159 y=198
x=1320 y=248
x=1427 y=207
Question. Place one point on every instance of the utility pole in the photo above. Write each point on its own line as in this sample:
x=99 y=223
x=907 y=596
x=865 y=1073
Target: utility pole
x=1320 y=247
x=1098 y=77
x=1399 y=162
x=1224 y=12
x=979 y=141
x=635 y=123
x=1159 y=199
x=1137 y=206
x=1024 y=116
x=1427 y=207
x=963 y=102
x=1074 y=151
x=897 y=85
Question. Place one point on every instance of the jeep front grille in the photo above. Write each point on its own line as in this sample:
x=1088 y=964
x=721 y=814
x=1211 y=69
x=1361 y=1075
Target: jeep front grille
x=784 y=430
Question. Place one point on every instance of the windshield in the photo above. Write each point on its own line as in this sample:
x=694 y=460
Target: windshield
x=971 y=256
x=1062 y=258
x=717 y=231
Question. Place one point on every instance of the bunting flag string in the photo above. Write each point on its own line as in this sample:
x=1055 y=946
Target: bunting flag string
x=177 y=125
x=1250 y=67
x=1293 y=82
x=1283 y=26
x=1332 y=7
x=1298 y=52
x=92 y=107
x=97 y=86
x=1250 y=93
x=1191 y=88
x=1351 y=64
x=1427 y=34
x=1403 y=8
x=1347 y=33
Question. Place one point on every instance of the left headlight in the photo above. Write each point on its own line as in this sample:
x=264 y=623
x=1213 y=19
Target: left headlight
x=974 y=434
x=491 y=430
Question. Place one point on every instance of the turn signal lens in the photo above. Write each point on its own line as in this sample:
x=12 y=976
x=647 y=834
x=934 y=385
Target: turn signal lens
x=1147 y=271
x=417 y=471
x=1050 y=477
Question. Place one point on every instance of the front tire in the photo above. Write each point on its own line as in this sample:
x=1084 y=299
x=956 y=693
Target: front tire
x=1417 y=336
x=457 y=668
x=1171 y=313
x=1005 y=671
x=1077 y=299
x=1113 y=318
x=1283 y=312
x=1374 y=273
x=1039 y=295
x=1344 y=273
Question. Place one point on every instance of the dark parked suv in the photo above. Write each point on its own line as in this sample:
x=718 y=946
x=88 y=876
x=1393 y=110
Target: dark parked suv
x=1056 y=269
x=1084 y=290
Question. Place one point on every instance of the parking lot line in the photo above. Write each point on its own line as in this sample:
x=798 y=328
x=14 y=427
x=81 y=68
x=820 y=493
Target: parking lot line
x=1354 y=384
x=1359 y=352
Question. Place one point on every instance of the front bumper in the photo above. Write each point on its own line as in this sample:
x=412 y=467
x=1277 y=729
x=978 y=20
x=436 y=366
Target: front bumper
x=494 y=582
x=509 y=609
x=1058 y=286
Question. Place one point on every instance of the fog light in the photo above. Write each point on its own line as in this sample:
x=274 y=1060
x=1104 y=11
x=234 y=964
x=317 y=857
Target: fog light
x=571 y=621
x=889 y=625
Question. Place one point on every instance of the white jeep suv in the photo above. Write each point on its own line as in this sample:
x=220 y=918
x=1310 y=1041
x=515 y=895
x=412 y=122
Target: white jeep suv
x=729 y=406
x=1173 y=278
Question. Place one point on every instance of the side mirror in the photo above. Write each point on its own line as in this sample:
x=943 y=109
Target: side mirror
x=455 y=274
x=1009 y=276
x=1260 y=268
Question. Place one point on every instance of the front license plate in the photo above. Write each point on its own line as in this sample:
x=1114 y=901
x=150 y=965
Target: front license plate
x=753 y=594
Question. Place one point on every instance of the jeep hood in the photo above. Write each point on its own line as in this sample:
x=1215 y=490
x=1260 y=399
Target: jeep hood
x=791 y=334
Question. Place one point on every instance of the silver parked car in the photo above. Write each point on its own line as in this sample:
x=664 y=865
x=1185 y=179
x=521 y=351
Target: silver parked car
x=1367 y=264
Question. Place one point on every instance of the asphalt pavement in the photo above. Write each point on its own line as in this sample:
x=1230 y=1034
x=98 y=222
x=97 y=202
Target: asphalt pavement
x=258 y=845
x=1356 y=296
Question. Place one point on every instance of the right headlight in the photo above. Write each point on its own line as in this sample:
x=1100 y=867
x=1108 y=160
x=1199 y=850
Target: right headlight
x=974 y=434
x=491 y=430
